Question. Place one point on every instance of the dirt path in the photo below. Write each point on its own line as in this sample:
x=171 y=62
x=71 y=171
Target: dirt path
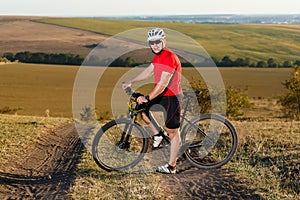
x=47 y=169
x=194 y=183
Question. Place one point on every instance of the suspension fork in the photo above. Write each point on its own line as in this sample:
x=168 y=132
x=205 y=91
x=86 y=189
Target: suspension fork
x=184 y=113
x=126 y=133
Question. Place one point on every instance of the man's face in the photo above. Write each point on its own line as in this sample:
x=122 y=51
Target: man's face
x=156 y=45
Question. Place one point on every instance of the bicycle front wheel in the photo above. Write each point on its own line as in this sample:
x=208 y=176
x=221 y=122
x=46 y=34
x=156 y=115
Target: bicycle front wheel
x=211 y=140
x=119 y=145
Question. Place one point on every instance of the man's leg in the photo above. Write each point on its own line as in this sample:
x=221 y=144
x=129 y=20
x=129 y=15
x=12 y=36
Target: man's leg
x=175 y=145
x=148 y=122
x=157 y=138
x=170 y=168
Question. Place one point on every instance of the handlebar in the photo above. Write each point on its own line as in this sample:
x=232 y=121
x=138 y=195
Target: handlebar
x=129 y=91
x=134 y=109
x=132 y=93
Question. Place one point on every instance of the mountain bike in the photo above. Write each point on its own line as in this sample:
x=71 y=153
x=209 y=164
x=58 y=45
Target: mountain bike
x=209 y=140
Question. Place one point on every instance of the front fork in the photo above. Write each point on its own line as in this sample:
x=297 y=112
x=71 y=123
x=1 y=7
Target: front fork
x=126 y=133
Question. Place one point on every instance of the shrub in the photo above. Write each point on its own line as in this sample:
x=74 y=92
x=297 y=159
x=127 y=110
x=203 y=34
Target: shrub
x=204 y=97
x=236 y=99
x=88 y=114
x=291 y=100
x=9 y=110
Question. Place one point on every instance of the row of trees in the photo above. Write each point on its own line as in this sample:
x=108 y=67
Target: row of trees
x=226 y=61
x=71 y=59
x=45 y=58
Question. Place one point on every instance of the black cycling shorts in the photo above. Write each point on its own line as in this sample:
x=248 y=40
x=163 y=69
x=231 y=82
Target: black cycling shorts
x=170 y=106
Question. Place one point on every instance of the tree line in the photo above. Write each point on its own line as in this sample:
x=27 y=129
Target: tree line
x=226 y=61
x=72 y=59
x=45 y=58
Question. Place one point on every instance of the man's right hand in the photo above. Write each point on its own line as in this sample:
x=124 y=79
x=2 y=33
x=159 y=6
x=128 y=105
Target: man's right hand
x=126 y=84
x=141 y=99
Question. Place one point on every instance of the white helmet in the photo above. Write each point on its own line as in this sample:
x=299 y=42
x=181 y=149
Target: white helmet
x=156 y=34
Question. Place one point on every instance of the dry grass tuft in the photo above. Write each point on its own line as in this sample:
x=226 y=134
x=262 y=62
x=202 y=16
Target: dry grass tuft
x=268 y=156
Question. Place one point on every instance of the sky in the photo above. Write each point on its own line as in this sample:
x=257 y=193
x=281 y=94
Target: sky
x=146 y=7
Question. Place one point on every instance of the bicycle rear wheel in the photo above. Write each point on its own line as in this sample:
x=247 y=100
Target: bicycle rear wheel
x=119 y=145
x=211 y=140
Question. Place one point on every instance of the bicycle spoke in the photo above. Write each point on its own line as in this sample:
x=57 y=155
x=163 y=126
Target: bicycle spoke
x=119 y=146
x=212 y=142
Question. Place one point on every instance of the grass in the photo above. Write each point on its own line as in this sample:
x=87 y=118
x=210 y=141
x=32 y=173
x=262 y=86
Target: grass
x=268 y=157
x=34 y=88
x=257 y=42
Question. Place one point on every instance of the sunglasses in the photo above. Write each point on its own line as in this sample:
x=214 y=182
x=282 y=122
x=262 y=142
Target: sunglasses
x=155 y=42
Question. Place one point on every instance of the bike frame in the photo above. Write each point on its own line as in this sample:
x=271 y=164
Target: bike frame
x=182 y=115
x=123 y=143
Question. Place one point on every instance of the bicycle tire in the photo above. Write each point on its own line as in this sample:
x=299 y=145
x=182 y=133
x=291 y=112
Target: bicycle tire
x=205 y=148
x=107 y=152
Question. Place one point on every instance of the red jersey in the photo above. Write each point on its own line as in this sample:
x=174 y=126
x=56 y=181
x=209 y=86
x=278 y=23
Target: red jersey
x=167 y=61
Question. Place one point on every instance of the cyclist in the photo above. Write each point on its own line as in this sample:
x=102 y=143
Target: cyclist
x=166 y=69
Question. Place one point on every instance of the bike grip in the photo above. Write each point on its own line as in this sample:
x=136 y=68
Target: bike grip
x=129 y=91
x=142 y=106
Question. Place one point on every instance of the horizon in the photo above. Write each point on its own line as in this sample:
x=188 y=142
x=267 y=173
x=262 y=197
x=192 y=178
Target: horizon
x=191 y=18
x=149 y=15
x=141 y=8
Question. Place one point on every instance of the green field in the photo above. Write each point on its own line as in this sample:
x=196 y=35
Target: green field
x=257 y=42
x=35 y=88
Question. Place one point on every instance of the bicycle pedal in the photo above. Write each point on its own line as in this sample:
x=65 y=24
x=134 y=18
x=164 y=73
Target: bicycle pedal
x=156 y=148
x=160 y=147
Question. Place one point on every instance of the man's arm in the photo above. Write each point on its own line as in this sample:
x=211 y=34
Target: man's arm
x=146 y=73
x=158 y=89
x=161 y=86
